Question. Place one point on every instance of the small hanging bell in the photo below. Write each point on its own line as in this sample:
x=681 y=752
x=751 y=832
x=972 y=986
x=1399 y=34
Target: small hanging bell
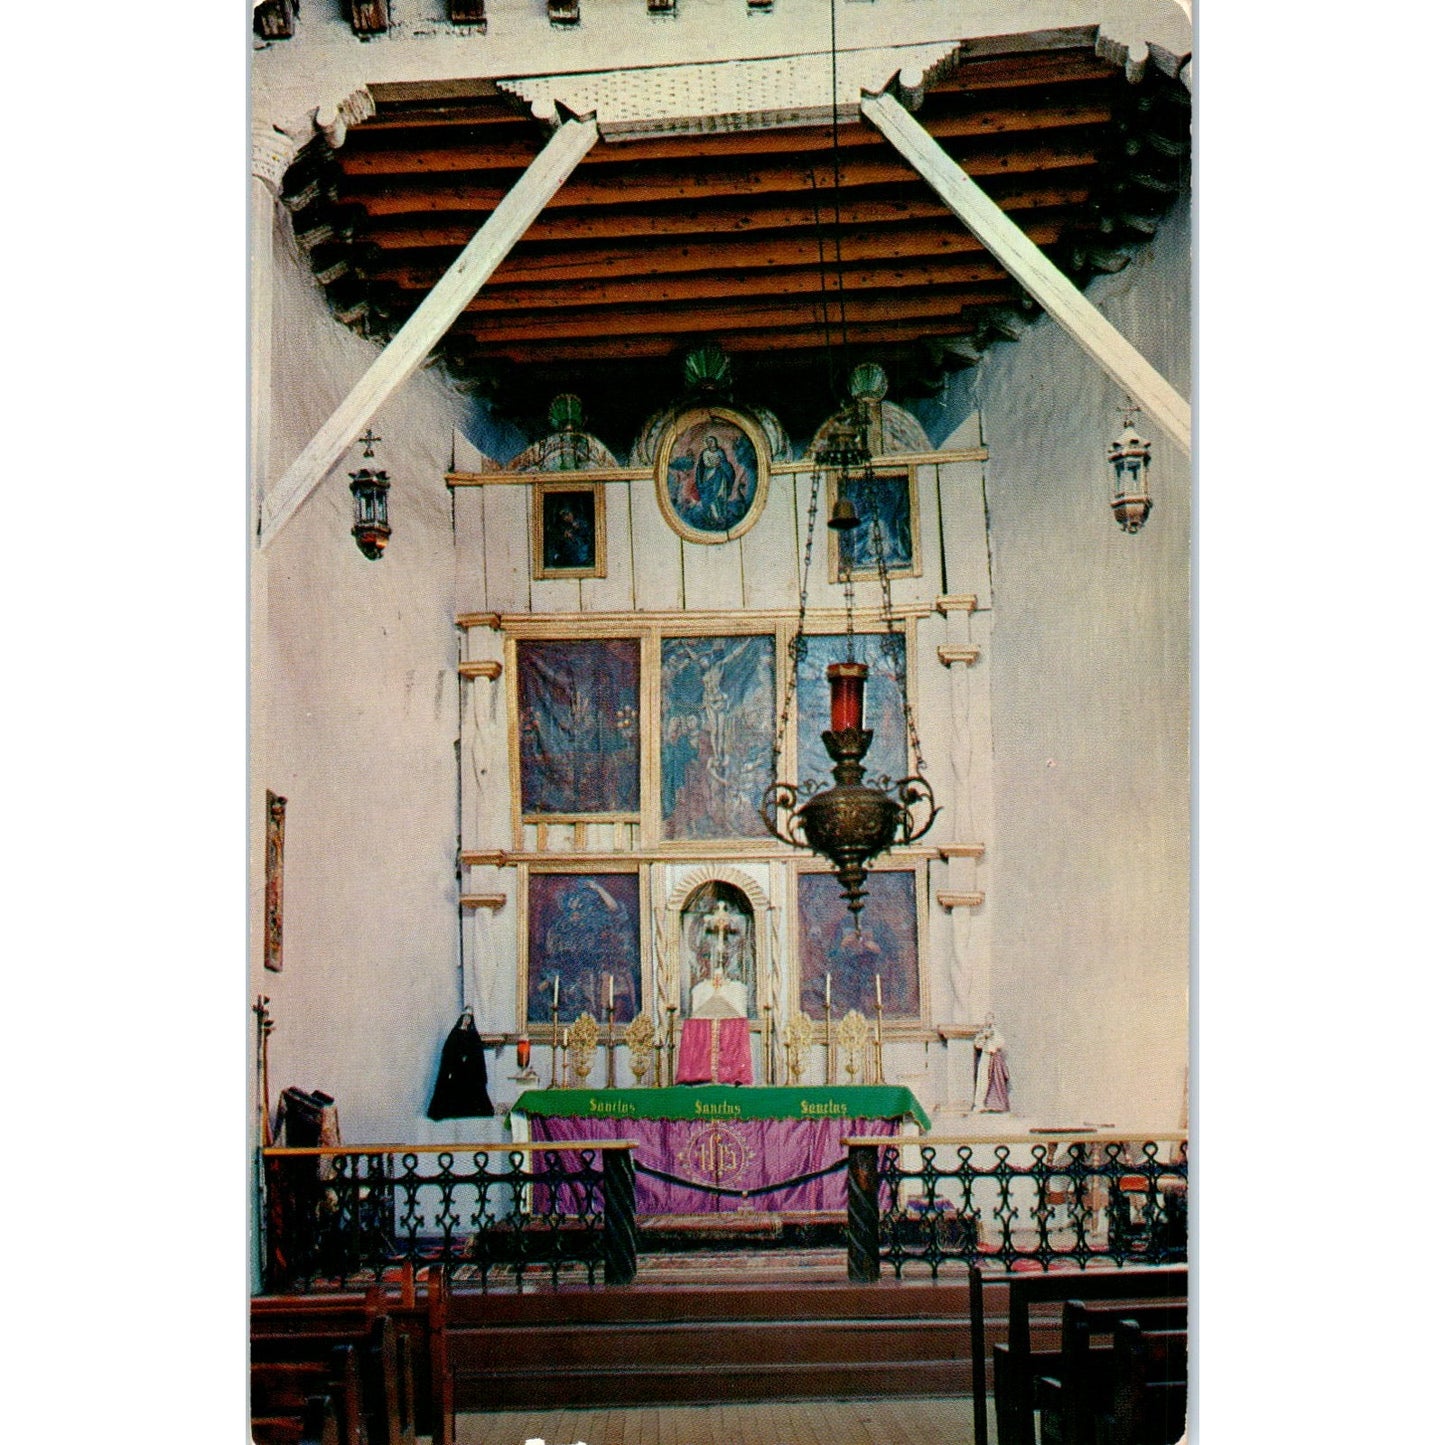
x=845 y=516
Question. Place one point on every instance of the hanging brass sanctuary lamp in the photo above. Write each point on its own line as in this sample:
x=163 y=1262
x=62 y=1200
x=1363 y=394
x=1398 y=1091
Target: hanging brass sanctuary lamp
x=855 y=820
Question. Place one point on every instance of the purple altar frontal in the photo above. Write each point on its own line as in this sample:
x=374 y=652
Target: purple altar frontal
x=721 y=1149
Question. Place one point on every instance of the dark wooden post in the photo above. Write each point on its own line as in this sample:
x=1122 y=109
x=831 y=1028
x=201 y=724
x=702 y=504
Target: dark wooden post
x=619 y=1217
x=862 y=1226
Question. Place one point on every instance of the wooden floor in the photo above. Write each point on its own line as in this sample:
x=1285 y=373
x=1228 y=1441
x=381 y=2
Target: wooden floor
x=917 y=1421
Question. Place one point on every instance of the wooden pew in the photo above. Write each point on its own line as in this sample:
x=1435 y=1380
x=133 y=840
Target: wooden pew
x=282 y=1391
x=1019 y=1362
x=1151 y=1372
x=384 y=1368
x=319 y=1425
x=1083 y=1390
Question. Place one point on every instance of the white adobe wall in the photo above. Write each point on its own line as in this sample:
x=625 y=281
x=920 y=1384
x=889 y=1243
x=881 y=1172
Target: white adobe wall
x=354 y=719
x=1090 y=870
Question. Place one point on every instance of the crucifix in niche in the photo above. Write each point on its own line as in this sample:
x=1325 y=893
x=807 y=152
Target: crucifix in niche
x=720 y=946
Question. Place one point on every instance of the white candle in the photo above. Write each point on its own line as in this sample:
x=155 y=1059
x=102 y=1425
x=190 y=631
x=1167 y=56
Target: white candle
x=609 y=990
x=556 y=989
x=827 y=990
x=878 y=989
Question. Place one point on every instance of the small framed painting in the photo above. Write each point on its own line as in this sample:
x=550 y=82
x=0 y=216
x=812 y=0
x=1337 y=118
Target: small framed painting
x=887 y=506
x=569 y=530
x=856 y=963
x=582 y=929
x=712 y=473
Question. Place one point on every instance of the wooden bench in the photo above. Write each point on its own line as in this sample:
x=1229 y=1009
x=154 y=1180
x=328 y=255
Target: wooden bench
x=1038 y=1299
x=1083 y=1390
x=1151 y=1385
x=304 y=1338
x=282 y=1392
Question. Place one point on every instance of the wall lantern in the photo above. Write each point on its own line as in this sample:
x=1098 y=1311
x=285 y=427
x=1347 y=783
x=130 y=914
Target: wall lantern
x=369 y=487
x=1129 y=458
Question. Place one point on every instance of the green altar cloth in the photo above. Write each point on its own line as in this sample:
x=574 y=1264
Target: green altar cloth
x=726 y=1101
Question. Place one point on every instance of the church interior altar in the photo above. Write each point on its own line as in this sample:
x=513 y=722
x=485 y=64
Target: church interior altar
x=714 y=1149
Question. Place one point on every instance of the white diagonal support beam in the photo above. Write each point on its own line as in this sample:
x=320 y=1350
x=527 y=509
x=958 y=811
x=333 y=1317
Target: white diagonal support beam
x=1032 y=269
x=428 y=323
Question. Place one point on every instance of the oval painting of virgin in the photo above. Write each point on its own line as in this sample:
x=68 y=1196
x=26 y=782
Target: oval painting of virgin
x=712 y=474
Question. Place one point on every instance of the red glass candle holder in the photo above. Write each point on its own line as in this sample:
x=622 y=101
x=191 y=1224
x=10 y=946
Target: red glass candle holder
x=524 y=1053
x=845 y=684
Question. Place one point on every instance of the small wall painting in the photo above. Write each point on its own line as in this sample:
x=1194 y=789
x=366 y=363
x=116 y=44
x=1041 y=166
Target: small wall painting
x=883 y=947
x=275 y=858
x=581 y=928
x=569 y=534
x=719 y=703
x=712 y=474
x=887 y=506
x=577 y=725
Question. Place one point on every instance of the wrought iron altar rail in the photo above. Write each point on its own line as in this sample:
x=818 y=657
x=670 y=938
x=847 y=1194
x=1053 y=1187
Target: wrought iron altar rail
x=1046 y=1199
x=516 y=1212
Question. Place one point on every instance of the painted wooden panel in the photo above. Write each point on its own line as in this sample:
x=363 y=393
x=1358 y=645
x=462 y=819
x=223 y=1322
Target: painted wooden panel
x=770 y=551
x=471 y=569
x=507 y=535
x=656 y=554
x=613 y=593
x=964 y=534
x=712 y=575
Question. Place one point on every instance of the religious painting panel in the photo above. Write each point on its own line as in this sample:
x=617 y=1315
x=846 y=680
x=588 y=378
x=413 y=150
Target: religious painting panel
x=886 y=657
x=577 y=726
x=712 y=473
x=719 y=701
x=887 y=507
x=719 y=950
x=275 y=859
x=582 y=929
x=855 y=965
x=569 y=530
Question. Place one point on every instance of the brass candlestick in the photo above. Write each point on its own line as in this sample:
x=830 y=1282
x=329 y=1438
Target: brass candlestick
x=611 y=1046
x=828 y=1041
x=671 y=1044
x=552 y=1077
x=767 y=1043
x=878 y=1044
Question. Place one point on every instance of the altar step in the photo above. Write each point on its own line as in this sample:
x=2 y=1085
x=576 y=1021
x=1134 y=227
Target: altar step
x=645 y=1345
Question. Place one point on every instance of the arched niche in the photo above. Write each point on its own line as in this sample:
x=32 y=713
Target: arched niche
x=718 y=938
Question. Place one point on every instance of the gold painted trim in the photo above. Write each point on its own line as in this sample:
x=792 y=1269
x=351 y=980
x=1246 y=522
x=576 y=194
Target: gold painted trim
x=491 y=670
x=965 y=653
x=951 y=901
x=713 y=854
x=550 y=626
x=599 y=523
x=762 y=452
x=493 y=901
x=645 y=474
x=946 y=851
x=961 y=602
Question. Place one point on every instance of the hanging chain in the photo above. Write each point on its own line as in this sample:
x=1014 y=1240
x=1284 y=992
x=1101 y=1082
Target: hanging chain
x=798 y=643
x=894 y=645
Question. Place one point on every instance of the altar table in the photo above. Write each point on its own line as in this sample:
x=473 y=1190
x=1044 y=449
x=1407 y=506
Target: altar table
x=721 y=1147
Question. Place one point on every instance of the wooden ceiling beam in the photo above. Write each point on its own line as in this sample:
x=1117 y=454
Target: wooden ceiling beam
x=642 y=348
x=624 y=186
x=619 y=223
x=715 y=286
x=722 y=257
x=448 y=155
x=933 y=303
